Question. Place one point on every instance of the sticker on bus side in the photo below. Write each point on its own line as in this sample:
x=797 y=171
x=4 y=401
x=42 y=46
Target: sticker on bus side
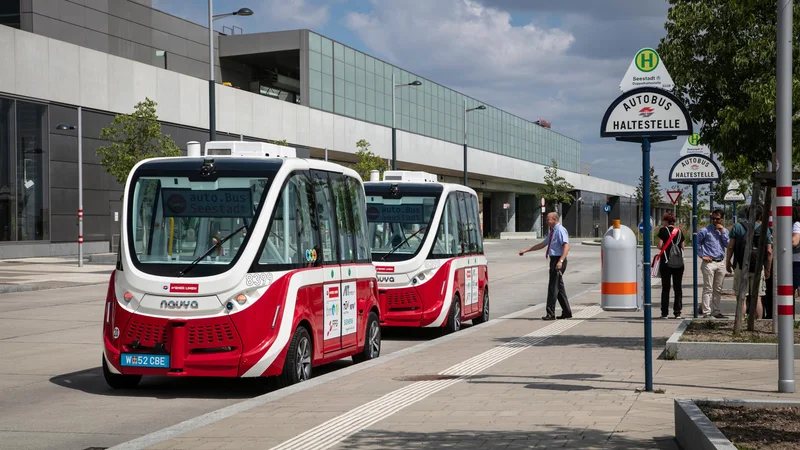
x=333 y=312
x=349 y=316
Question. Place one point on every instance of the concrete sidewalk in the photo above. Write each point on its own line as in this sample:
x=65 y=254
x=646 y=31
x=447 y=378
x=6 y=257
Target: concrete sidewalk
x=31 y=274
x=519 y=382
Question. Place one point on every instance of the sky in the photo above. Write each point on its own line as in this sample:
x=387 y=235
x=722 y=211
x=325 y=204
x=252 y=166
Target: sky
x=559 y=60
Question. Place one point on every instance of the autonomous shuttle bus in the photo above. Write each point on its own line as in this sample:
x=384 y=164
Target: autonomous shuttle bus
x=242 y=261
x=427 y=250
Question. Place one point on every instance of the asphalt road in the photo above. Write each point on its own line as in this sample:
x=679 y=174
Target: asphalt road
x=52 y=392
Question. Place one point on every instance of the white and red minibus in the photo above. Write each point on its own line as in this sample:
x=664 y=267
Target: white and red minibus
x=242 y=261
x=428 y=251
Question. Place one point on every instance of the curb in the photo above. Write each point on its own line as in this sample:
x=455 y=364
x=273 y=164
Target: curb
x=693 y=429
x=11 y=289
x=718 y=350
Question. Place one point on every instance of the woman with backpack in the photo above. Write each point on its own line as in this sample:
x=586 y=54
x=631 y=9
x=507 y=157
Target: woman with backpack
x=670 y=242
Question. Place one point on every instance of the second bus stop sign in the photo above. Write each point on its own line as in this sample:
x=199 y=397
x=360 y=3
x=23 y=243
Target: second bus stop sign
x=696 y=168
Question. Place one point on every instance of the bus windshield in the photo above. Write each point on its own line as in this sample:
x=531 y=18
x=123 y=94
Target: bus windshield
x=398 y=225
x=175 y=222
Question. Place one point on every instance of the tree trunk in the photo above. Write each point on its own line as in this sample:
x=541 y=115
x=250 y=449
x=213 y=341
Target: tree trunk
x=762 y=252
x=739 y=316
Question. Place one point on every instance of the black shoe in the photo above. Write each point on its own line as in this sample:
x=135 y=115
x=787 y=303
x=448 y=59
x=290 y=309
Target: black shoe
x=549 y=317
x=565 y=316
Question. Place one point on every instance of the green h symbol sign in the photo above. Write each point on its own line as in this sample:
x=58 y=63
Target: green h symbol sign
x=646 y=60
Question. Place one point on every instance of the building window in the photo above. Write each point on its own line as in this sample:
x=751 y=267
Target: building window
x=24 y=212
x=9 y=14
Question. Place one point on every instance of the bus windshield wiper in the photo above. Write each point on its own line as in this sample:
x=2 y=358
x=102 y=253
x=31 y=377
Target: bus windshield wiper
x=211 y=249
x=404 y=241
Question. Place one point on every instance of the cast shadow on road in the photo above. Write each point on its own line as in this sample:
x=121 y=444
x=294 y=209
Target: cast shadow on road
x=555 y=435
x=586 y=341
x=591 y=381
x=91 y=381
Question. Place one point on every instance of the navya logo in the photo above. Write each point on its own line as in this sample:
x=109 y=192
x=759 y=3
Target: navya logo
x=179 y=304
x=385 y=279
x=347 y=290
x=646 y=111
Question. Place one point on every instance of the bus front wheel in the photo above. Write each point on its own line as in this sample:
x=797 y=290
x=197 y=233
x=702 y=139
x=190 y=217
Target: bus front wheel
x=454 y=318
x=119 y=381
x=297 y=366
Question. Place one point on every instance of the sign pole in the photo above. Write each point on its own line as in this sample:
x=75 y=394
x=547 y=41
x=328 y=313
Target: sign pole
x=648 y=332
x=784 y=199
x=694 y=244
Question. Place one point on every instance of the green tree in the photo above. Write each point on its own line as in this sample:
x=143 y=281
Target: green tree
x=368 y=161
x=281 y=142
x=721 y=56
x=133 y=138
x=655 y=189
x=556 y=188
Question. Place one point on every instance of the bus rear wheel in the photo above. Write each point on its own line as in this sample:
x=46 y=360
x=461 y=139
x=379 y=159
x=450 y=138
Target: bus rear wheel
x=454 y=318
x=119 y=381
x=484 y=317
x=297 y=366
x=372 y=343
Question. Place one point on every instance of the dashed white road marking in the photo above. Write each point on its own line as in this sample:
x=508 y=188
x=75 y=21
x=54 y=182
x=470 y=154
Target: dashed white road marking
x=343 y=426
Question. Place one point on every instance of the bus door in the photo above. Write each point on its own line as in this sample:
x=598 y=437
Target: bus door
x=331 y=269
x=468 y=275
x=350 y=205
x=477 y=277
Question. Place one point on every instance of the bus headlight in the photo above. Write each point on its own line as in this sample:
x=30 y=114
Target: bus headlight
x=127 y=297
x=241 y=299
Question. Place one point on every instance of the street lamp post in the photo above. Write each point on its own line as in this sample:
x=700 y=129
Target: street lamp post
x=212 y=114
x=394 y=128
x=479 y=107
x=64 y=126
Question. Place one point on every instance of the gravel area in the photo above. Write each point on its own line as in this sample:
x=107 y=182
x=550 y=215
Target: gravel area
x=757 y=428
x=714 y=330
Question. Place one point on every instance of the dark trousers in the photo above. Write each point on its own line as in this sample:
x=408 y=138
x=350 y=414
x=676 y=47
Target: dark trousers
x=671 y=276
x=556 y=290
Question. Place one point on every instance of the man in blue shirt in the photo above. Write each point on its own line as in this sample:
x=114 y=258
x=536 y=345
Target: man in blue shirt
x=557 y=243
x=712 y=243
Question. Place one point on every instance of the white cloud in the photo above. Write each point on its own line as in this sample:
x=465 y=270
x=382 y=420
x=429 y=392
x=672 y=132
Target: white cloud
x=270 y=15
x=566 y=71
x=290 y=13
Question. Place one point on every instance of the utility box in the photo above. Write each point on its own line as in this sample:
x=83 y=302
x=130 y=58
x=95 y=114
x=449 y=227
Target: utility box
x=620 y=280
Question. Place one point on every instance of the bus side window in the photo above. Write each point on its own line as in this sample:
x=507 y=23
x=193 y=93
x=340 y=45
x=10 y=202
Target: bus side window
x=325 y=217
x=344 y=218
x=463 y=224
x=476 y=246
x=447 y=240
x=363 y=248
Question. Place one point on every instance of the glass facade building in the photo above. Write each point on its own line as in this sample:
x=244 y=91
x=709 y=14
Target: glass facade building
x=345 y=81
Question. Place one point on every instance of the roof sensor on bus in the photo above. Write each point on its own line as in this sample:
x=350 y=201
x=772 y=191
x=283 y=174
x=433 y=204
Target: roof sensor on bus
x=409 y=176
x=251 y=149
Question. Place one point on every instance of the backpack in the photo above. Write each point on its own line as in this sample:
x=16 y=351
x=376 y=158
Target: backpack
x=675 y=252
x=739 y=247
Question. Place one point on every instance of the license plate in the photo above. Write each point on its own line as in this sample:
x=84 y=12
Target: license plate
x=142 y=360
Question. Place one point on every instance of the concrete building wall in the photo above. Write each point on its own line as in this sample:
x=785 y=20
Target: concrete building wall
x=129 y=29
x=57 y=71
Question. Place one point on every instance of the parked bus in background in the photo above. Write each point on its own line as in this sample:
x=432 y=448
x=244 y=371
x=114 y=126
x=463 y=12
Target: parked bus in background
x=242 y=261
x=428 y=251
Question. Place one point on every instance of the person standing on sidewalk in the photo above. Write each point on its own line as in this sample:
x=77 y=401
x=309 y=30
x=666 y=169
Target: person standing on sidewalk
x=712 y=242
x=671 y=271
x=557 y=244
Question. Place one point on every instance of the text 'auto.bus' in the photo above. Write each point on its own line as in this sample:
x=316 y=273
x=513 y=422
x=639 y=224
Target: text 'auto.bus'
x=428 y=251
x=242 y=262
